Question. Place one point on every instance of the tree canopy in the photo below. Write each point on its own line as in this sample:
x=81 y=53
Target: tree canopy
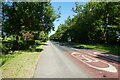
x=34 y=17
x=95 y=22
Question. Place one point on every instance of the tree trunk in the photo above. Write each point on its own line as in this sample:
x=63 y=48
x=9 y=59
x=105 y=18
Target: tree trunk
x=105 y=23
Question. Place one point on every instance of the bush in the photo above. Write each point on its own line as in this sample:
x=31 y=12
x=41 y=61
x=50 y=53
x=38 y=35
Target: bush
x=16 y=45
x=30 y=42
x=6 y=46
x=37 y=42
x=21 y=45
x=5 y=49
x=12 y=45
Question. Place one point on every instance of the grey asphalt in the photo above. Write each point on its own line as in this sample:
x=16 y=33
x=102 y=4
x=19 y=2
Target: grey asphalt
x=53 y=63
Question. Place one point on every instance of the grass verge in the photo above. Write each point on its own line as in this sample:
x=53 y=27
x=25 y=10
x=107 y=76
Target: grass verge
x=21 y=65
x=115 y=50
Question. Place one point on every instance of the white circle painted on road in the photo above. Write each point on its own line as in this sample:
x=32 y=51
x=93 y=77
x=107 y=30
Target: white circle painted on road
x=89 y=59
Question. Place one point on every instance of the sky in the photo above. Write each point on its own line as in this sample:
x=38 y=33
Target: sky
x=66 y=10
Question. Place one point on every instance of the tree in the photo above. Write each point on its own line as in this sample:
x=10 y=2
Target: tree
x=95 y=22
x=43 y=36
x=34 y=17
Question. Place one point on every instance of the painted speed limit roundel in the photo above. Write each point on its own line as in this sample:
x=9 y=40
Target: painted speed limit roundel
x=91 y=61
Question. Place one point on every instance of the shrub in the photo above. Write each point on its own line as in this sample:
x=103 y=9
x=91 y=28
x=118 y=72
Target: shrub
x=5 y=49
x=21 y=44
x=30 y=42
x=37 y=42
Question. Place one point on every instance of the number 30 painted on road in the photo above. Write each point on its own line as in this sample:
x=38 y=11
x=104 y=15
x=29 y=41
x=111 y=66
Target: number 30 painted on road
x=89 y=59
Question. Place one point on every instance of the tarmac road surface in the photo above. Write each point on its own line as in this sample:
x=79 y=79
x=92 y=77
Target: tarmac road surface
x=63 y=61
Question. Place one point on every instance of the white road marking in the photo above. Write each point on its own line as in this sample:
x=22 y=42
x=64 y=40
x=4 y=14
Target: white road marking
x=91 y=54
x=110 y=67
x=89 y=60
x=96 y=52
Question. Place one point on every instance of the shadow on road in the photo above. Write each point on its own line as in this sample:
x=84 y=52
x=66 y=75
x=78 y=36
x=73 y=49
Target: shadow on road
x=109 y=58
x=71 y=46
x=105 y=56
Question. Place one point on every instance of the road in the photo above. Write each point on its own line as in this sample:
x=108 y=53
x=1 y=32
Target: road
x=62 y=61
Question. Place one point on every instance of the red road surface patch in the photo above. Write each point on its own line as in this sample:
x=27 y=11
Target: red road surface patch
x=89 y=63
x=96 y=64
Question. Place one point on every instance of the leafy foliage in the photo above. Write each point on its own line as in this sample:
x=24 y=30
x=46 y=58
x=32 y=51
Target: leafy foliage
x=27 y=16
x=26 y=22
x=95 y=22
